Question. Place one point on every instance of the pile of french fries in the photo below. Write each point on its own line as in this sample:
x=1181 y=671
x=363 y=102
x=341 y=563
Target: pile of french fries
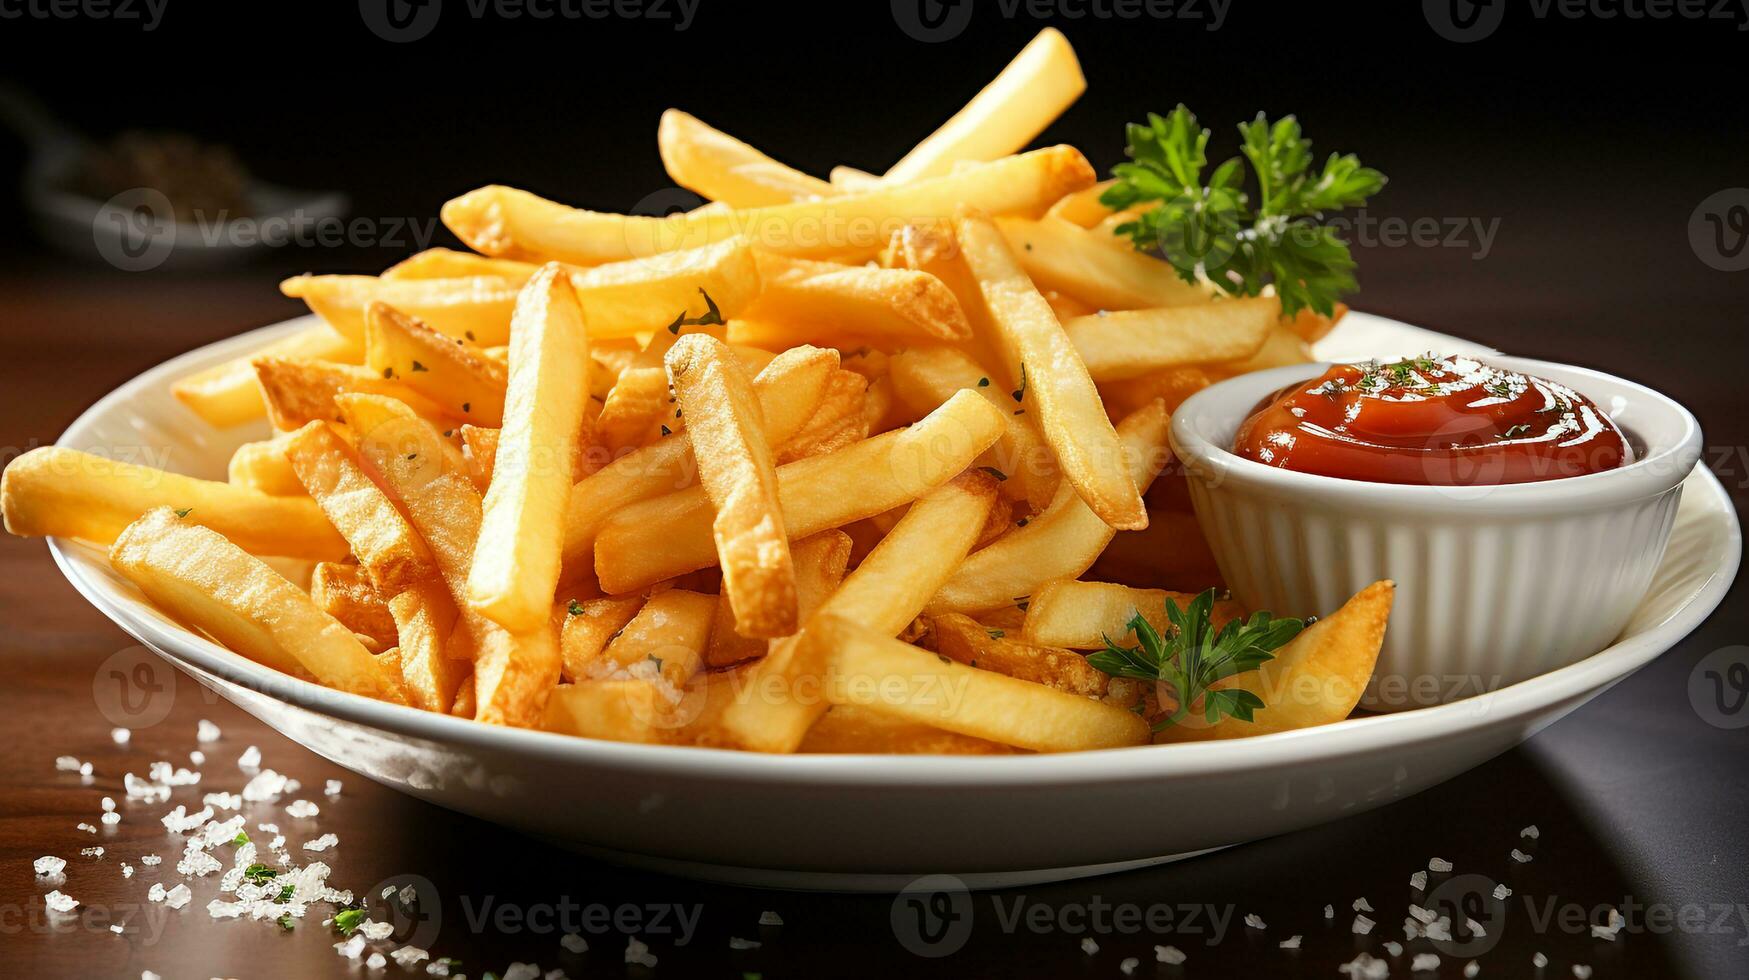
x=819 y=466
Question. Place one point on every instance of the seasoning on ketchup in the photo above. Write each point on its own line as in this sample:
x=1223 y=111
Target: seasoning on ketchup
x=1434 y=421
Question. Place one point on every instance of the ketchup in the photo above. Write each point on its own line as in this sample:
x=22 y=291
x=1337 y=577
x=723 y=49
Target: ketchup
x=1444 y=421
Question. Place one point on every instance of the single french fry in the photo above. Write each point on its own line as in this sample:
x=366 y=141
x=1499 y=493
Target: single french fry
x=870 y=669
x=1052 y=380
x=1317 y=679
x=227 y=394
x=671 y=535
x=640 y=400
x=665 y=640
x=1062 y=542
x=1082 y=207
x=1169 y=387
x=820 y=563
x=1283 y=346
x=924 y=377
x=347 y=593
x=848 y=729
x=840 y=421
x=262 y=466
x=204 y=580
x=444 y=263
x=885 y=593
x=505 y=222
x=386 y=545
x=515 y=564
x=722 y=168
x=616 y=710
x=1031 y=92
x=1131 y=343
x=727 y=431
x=52 y=490
x=806 y=300
x=472 y=308
x=589 y=626
x=849 y=179
x=789 y=391
x=300 y=392
x=424 y=617
x=634 y=297
x=1086 y=615
x=480 y=447
x=1100 y=270
x=452 y=373
x=962 y=638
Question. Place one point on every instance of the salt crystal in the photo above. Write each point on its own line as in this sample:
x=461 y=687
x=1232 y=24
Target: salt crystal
x=1291 y=942
x=1363 y=925
x=66 y=763
x=522 y=971
x=554 y=974
x=120 y=735
x=1088 y=946
x=1440 y=865
x=91 y=852
x=1418 y=881
x=735 y=942
x=151 y=860
x=406 y=956
x=376 y=962
x=1362 y=905
x=149 y=975
x=225 y=910
x=127 y=870
x=407 y=896
x=144 y=789
x=264 y=787
x=88 y=828
x=1440 y=931
x=267 y=828
x=48 y=864
x=178 y=897
x=223 y=801
x=321 y=843
x=769 y=918
x=352 y=948
x=250 y=759
x=1520 y=856
x=1366 y=967
x=374 y=930
x=387 y=891
x=302 y=809
x=1530 y=832
x=86 y=770
x=110 y=819
x=206 y=732
x=180 y=821
x=1501 y=892
x=155 y=893
x=1471 y=969
x=1612 y=926
x=116 y=929
x=637 y=952
x=1475 y=928
x=1128 y=966
x=331 y=788
x=1412 y=929
x=1425 y=915
x=1170 y=955
x=1424 y=961
x=1394 y=948
x=1253 y=921
x=1539 y=961
x=58 y=902
x=108 y=803
x=1329 y=911
x=438 y=968
x=577 y=944
x=1582 y=971
x=197 y=757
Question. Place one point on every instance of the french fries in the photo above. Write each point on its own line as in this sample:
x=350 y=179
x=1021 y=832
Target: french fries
x=1058 y=389
x=1035 y=88
x=63 y=492
x=208 y=582
x=504 y=222
x=736 y=470
x=816 y=466
x=515 y=564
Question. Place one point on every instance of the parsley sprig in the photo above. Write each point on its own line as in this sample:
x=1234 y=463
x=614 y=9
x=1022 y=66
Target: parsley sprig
x=1193 y=655
x=1241 y=241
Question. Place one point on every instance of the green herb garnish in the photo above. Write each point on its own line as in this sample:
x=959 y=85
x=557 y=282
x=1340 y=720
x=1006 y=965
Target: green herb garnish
x=574 y=607
x=259 y=873
x=1216 y=229
x=184 y=511
x=1000 y=476
x=712 y=317
x=1020 y=392
x=241 y=838
x=1193 y=656
x=347 y=921
x=417 y=367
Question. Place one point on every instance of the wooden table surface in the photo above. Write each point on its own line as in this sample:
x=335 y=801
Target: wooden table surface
x=1638 y=800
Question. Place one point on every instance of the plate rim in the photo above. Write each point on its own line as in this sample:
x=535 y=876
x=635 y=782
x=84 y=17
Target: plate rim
x=1185 y=760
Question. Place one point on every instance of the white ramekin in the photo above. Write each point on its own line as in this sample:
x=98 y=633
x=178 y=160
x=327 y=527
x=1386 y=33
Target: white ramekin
x=1495 y=584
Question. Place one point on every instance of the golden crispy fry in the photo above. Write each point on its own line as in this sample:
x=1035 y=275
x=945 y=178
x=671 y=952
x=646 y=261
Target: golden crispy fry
x=820 y=563
x=347 y=593
x=1131 y=343
x=1053 y=383
x=640 y=400
x=624 y=299
x=453 y=374
x=1315 y=680
x=262 y=466
x=444 y=263
x=1062 y=542
x=502 y=221
x=1082 y=207
x=386 y=545
x=789 y=391
x=588 y=628
x=1085 y=615
x=1010 y=112
x=481 y=451
x=424 y=616
x=896 y=679
x=665 y=640
x=472 y=308
x=1170 y=387
x=1283 y=346
x=727 y=431
x=848 y=179
x=1101 y=270
x=970 y=642
x=670 y=535
x=781 y=698
x=723 y=168
x=516 y=559
x=464 y=706
x=851 y=730
x=227 y=395
x=807 y=301
x=924 y=377
x=202 y=579
x=300 y=392
x=840 y=421
x=70 y=494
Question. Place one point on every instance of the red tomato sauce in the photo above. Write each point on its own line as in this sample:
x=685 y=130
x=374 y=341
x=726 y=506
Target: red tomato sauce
x=1451 y=421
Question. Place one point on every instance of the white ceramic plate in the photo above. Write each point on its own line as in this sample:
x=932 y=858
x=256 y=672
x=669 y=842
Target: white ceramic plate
x=876 y=822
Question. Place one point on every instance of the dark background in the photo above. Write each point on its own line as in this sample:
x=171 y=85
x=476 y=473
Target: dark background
x=1590 y=141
